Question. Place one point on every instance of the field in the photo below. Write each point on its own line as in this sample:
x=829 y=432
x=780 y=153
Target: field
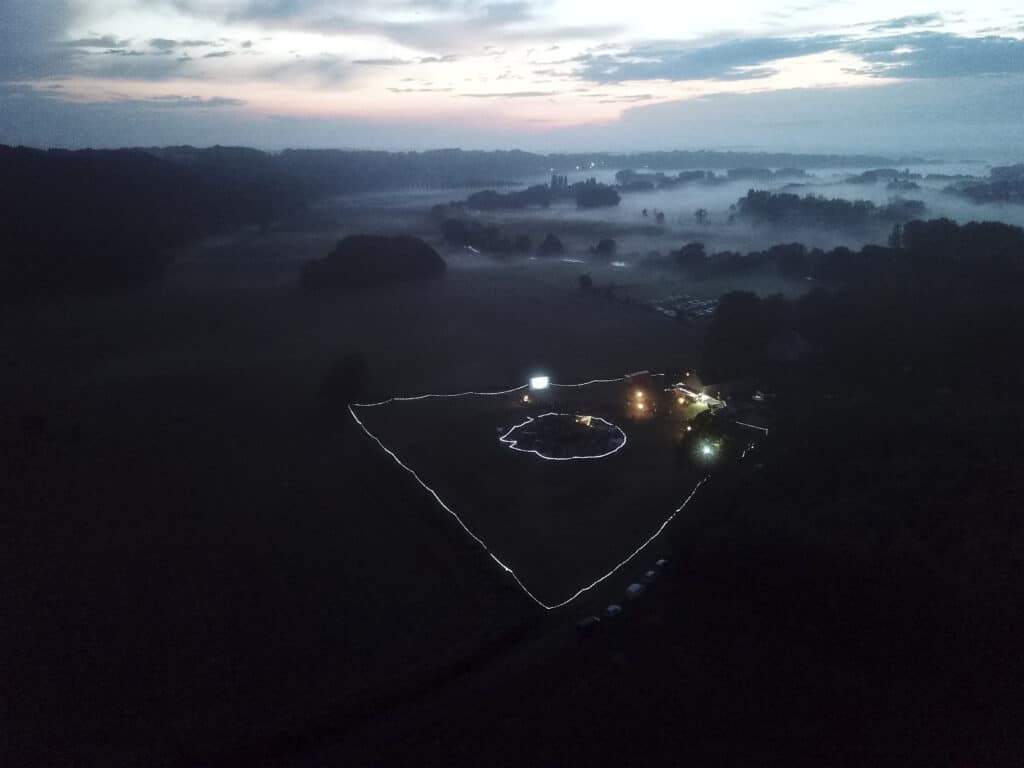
x=200 y=561
x=560 y=526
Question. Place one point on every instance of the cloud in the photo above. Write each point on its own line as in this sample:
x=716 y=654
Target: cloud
x=510 y=95
x=104 y=41
x=940 y=55
x=420 y=90
x=438 y=24
x=392 y=62
x=217 y=54
x=903 y=22
x=914 y=55
x=733 y=59
x=180 y=102
x=321 y=71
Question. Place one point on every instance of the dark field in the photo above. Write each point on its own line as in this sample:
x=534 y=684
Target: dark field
x=560 y=525
x=200 y=562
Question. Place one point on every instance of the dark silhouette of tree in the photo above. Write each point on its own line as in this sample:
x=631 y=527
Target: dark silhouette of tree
x=586 y=282
x=605 y=248
x=691 y=257
x=594 y=195
x=551 y=246
x=701 y=215
x=360 y=261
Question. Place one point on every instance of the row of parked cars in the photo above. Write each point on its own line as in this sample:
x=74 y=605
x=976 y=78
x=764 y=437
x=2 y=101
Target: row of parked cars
x=634 y=591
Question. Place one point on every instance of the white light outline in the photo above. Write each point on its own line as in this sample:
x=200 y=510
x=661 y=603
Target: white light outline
x=477 y=539
x=529 y=419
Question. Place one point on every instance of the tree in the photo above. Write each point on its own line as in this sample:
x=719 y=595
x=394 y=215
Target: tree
x=692 y=258
x=361 y=261
x=551 y=246
x=605 y=248
x=586 y=282
x=660 y=218
x=896 y=236
x=523 y=244
x=594 y=195
x=701 y=215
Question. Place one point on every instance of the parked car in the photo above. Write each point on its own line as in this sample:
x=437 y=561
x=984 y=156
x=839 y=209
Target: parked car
x=588 y=624
x=612 y=611
x=634 y=591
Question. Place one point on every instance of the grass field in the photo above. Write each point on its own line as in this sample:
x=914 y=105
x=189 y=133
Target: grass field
x=559 y=525
x=200 y=561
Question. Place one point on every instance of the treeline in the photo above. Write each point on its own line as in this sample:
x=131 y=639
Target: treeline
x=786 y=209
x=1004 y=185
x=586 y=194
x=102 y=221
x=928 y=253
x=631 y=180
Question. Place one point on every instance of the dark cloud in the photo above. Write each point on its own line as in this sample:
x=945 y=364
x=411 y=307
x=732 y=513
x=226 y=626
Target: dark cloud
x=728 y=60
x=105 y=41
x=912 y=55
x=940 y=55
x=452 y=25
x=903 y=22
x=247 y=44
x=217 y=54
x=163 y=44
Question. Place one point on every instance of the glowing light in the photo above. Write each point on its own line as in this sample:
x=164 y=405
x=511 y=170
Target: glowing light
x=526 y=398
x=639 y=406
x=639 y=395
x=681 y=401
x=706 y=449
x=582 y=590
x=540 y=382
x=689 y=428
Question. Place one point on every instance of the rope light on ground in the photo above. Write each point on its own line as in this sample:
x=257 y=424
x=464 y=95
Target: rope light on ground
x=501 y=564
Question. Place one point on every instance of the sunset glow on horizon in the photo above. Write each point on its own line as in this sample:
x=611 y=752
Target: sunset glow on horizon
x=522 y=67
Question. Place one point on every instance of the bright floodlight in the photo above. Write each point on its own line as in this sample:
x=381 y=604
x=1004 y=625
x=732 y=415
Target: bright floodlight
x=539 y=382
x=706 y=449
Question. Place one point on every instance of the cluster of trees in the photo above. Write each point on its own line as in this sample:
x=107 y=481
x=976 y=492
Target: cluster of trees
x=591 y=194
x=362 y=261
x=786 y=209
x=1004 y=185
x=586 y=194
x=103 y=221
x=486 y=238
x=926 y=252
x=605 y=248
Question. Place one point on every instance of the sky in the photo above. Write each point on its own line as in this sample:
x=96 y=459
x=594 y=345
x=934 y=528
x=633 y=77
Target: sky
x=546 y=75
